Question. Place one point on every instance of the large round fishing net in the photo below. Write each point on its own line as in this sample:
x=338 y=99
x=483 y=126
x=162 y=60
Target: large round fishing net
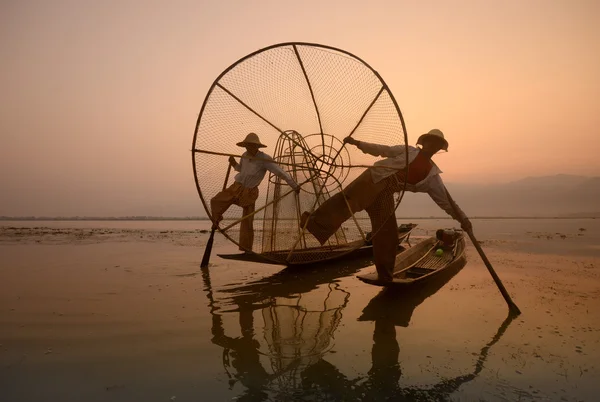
x=301 y=100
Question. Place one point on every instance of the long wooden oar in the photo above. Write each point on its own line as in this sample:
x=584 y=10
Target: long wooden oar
x=209 y=244
x=511 y=305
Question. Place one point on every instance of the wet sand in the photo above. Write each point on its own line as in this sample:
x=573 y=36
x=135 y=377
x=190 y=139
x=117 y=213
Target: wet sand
x=121 y=311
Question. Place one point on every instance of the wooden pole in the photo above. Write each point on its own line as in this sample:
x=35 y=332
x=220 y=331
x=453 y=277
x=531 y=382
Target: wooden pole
x=209 y=244
x=511 y=305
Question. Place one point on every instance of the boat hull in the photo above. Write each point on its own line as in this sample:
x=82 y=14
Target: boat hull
x=420 y=264
x=309 y=256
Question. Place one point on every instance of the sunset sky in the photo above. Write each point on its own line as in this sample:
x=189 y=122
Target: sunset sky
x=100 y=98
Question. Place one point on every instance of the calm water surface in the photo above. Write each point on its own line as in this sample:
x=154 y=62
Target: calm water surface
x=258 y=332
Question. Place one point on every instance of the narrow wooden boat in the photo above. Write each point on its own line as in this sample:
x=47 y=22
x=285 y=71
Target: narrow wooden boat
x=313 y=255
x=421 y=263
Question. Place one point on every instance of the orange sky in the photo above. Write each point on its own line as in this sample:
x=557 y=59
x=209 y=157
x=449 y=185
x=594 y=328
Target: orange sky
x=100 y=99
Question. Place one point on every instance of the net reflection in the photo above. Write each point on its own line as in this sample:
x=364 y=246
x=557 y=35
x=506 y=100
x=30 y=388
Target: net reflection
x=282 y=356
x=287 y=323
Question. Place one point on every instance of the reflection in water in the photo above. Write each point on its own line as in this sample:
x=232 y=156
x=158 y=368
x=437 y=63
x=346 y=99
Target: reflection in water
x=396 y=307
x=300 y=312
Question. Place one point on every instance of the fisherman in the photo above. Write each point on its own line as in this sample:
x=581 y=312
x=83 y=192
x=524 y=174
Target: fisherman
x=373 y=191
x=244 y=191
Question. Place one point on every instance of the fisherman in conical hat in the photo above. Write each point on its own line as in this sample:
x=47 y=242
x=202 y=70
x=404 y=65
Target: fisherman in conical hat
x=373 y=191
x=244 y=191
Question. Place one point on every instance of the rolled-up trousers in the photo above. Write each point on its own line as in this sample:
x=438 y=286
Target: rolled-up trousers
x=375 y=198
x=245 y=197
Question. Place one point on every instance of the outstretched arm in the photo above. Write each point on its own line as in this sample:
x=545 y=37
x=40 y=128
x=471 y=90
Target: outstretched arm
x=279 y=172
x=376 y=149
x=437 y=192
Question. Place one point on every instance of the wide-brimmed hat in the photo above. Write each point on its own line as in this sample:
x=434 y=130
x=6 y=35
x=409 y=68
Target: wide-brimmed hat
x=251 y=138
x=434 y=133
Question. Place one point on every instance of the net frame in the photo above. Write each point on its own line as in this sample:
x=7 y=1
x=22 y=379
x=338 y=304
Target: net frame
x=217 y=85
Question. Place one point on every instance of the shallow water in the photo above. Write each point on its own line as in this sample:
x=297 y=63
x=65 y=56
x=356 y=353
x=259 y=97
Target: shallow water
x=114 y=316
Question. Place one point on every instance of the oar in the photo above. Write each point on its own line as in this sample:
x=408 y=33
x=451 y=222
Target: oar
x=209 y=244
x=511 y=305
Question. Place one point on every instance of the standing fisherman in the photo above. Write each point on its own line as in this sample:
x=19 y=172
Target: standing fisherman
x=373 y=191
x=244 y=191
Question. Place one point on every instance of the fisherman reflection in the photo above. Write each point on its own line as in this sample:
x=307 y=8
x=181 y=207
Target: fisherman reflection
x=385 y=371
x=382 y=382
x=294 y=332
x=285 y=335
x=241 y=353
x=388 y=309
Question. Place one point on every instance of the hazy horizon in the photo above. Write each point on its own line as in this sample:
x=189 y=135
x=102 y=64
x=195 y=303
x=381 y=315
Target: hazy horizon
x=100 y=100
x=547 y=196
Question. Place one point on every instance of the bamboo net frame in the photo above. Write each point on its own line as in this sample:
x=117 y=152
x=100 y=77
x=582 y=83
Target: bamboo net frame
x=302 y=99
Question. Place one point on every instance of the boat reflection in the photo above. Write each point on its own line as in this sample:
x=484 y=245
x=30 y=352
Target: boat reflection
x=282 y=356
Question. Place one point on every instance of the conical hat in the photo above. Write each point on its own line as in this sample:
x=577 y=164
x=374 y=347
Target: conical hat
x=251 y=138
x=434 y=133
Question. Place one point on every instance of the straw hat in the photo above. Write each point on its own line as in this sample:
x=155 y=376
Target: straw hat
x=251 y=139
x=434 y=133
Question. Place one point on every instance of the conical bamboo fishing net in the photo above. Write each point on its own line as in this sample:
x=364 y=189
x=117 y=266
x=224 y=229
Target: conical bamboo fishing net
x=302 y=100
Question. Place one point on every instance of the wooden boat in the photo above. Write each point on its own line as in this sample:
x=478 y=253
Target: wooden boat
x=421 y=263
x=354 y=249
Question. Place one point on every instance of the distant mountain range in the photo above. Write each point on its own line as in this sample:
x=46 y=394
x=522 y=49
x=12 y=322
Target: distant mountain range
x=550 y=196
x=547 y=196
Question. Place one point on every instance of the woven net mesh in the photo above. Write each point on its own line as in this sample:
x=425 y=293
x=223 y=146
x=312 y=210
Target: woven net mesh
x=302 y=100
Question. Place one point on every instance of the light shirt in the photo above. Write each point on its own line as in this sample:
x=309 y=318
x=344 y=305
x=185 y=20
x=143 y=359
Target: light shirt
x=396 y=161
x=252 y=171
